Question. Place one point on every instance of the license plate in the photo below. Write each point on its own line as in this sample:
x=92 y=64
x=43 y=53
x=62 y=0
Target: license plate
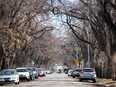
x=6 y=80
x=88 y=75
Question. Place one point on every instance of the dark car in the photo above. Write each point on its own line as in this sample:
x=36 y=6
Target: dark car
x=66 y=71
x=76 y=72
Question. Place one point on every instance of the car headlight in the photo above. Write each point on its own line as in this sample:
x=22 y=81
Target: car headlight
x=14 y=77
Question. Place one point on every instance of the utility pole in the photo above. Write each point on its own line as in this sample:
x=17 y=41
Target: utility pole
x=88 y=48
x=77 y=61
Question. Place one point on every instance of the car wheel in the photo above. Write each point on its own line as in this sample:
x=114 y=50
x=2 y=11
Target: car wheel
x=16 y=83
x=94 y=81
x=28 y=79
x=32 y=78
x=1 y=84
x=73 y=76
x=80 y=80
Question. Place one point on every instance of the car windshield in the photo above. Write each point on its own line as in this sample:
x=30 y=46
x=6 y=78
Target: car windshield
x=7 y=72
x=34 y=69
x=47 y=70
x=79 y=70
x=29 y=69
x=39 y=69
x=21 y=70
x=88 y=70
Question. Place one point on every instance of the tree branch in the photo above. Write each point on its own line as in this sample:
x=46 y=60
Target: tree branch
x=81 y=39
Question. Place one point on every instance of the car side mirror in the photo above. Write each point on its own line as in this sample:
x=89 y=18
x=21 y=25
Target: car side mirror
x=17 y=73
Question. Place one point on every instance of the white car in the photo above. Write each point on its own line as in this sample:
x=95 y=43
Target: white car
x=23 y=73
x=47 y=71
x=69 y=72
x=9 y=76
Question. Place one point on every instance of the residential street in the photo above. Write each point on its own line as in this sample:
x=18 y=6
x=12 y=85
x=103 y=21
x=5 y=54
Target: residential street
x=53 y=80
x=39 y=37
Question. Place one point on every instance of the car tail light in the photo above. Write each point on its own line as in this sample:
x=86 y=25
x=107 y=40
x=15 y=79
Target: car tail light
x=40 y=73
x=81 y=72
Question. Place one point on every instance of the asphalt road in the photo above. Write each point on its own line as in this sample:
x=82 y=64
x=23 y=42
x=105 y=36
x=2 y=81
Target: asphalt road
x=53 y=80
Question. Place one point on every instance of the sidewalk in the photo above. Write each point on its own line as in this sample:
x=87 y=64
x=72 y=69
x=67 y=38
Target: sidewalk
x=106 y=83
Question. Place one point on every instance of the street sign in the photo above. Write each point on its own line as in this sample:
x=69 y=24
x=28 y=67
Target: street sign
x=77 y=62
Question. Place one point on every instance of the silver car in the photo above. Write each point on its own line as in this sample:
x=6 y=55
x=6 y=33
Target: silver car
x=88 y=74
x=9 y=76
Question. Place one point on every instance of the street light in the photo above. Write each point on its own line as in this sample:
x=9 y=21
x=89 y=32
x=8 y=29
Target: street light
x=88 y=46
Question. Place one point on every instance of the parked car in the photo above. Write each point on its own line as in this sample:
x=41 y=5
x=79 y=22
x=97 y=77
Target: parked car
x=69 y=72
x=9 y=76
x=35 y=72
x=88 y=74
x=41 y=72
x=47 y=71
x=66 y=70
x=76 y=72
x=24 y=73
x=31 y=71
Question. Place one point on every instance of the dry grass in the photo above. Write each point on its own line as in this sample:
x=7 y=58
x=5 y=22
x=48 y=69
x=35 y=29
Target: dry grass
x=105 y=80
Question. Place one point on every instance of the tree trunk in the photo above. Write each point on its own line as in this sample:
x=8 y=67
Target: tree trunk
x=109 y=68
x=1 y=56
x=3 y=66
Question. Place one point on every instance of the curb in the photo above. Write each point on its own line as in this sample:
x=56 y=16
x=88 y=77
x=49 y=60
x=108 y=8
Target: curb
x=106 y=84
x=99 y=84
